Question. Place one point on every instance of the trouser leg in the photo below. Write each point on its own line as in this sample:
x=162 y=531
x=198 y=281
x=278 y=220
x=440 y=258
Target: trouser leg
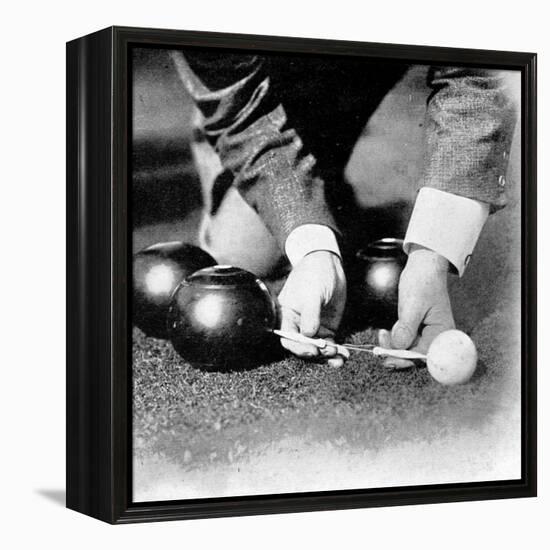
x=328 y=102
x=230 y=230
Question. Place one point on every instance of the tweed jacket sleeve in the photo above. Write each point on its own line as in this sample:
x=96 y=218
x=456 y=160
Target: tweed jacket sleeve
x=248 y=128
x=470 y=120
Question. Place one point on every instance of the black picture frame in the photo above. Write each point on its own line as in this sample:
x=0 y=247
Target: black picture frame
x=98 y=346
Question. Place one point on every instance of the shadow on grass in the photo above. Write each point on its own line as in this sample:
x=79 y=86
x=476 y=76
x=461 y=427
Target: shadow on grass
x=480 y=372
x=273 y=352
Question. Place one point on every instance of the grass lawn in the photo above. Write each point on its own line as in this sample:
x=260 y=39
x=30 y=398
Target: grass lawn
x=188 y=421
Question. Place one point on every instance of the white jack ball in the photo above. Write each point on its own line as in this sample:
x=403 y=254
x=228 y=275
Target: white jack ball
x=452 y=358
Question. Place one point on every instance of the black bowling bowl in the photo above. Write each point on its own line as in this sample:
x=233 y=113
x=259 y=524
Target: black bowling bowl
x=221 y=318
x=378 y=269
x=157 y=271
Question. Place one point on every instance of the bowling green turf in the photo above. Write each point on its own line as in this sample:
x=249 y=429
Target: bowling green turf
x=192 y=416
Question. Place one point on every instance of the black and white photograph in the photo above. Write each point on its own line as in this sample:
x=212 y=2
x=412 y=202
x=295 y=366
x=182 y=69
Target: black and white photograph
x=326 y=268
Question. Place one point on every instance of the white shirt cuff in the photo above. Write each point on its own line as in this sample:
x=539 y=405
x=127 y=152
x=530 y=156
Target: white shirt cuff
x=447 y=224
x=310 y=238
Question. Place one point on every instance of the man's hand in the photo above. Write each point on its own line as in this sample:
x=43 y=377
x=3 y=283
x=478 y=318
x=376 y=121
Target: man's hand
x=424 y=308
x=312 y=303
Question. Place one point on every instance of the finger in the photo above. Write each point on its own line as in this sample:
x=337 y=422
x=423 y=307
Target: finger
x=397 y=363
x=289 y=322
x=334 y=359
x=437 y=320
x=341 y=351
x=411 y=311
x=325 y=332
x=310 y=316
x=336 y=362
x=384 y=338
x=384 y=341
x=404 y=333
x=301 y=350
x=328 y=351
x=327 y=335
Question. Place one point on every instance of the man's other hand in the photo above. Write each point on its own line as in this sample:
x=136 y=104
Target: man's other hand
x=424 y=307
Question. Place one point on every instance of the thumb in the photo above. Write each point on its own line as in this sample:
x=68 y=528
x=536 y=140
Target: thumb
x=310 y=316
x=437 y=320
x=405 y=330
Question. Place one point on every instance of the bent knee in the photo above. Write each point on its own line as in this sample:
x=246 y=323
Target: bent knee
x=236 y=235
